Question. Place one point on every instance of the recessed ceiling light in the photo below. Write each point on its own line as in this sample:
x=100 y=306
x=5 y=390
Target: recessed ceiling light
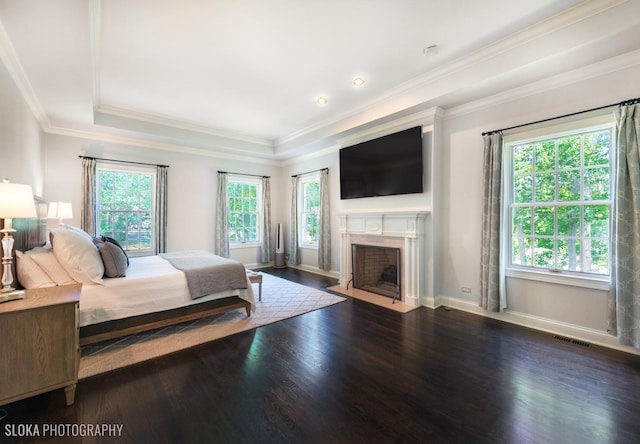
x=358 y=81
x=321 y=100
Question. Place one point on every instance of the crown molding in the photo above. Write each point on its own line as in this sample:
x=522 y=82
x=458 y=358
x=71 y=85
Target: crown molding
x=310 y=156
x=425 y=117
x=182 y=125
x=352 y=121
x=145 y=143
x=618 y=63
x=573 y=15
x=15 y=70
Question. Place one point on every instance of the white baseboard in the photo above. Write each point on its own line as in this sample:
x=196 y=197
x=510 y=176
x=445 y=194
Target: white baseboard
x=589 y=335
x=430 y=302
x=315 y=270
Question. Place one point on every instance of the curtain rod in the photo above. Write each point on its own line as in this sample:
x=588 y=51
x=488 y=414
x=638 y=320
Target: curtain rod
x=123 y=161
x=245 y=174
x=309 y=172
x=625 y=102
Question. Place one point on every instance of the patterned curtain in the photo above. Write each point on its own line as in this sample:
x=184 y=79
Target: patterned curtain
x=88 y=211
x=161 y=208
x=624 y=300
x=492 y=295
x=222 y=217
x=324 y=228
x=265 y=245
x=294 y=247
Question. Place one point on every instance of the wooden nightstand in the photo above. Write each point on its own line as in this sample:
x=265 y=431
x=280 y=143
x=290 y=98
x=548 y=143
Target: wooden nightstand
x=39 y=349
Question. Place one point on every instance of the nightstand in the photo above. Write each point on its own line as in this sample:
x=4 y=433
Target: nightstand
x=40 y=349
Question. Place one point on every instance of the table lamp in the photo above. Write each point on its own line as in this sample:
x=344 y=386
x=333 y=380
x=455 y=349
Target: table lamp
x=60 y=211
x=16 y=200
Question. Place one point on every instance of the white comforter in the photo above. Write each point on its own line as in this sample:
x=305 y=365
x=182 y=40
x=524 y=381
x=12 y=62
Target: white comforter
x=151 y=285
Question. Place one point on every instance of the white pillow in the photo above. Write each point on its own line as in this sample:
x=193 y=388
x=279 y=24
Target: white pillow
x=75 y=250
x=30 y=275
x=45 y=258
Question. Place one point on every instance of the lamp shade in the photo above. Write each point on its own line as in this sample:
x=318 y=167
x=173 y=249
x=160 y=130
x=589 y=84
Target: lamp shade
x=16 y=200
x=59 y=210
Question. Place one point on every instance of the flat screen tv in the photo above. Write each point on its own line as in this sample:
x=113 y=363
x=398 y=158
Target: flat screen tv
x=384 y=166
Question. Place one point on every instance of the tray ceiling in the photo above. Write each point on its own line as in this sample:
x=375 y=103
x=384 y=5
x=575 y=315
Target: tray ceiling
x=243 y=76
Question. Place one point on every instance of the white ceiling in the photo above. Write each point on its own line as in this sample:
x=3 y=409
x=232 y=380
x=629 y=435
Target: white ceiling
x=243 y=75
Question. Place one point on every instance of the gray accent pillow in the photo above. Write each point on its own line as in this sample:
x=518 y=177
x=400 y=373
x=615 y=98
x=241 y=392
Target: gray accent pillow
x=114 y=259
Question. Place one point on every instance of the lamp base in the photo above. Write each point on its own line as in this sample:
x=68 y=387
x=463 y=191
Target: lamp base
x=12 y=295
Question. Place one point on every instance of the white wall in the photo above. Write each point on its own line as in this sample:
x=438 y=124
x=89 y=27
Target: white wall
x=417 y=202
x=192 y=186
x=309 y=256
x=460 y=215
x=21 y=154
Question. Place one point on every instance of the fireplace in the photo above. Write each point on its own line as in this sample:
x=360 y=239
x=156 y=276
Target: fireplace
x=377 y=269
x=401 y=231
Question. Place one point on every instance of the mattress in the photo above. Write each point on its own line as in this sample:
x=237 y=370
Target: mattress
x=152 y=284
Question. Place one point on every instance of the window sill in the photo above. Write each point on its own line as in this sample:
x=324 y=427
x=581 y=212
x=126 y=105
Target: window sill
x=309 y=246
x=592 y=283
x=239 y=245
x=140 y=253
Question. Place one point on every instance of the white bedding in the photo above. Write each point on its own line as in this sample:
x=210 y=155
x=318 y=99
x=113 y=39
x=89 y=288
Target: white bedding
x=151 y=285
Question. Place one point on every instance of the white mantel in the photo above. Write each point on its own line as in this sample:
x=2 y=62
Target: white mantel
x=406 y=230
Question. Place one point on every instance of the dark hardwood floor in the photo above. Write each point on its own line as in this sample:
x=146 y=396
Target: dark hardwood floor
x=358 y=373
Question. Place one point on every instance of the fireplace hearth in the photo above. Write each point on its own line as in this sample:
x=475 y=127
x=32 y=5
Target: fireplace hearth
x=377 y=269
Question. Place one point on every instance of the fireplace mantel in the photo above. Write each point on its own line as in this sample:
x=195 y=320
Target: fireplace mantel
x=404 y=229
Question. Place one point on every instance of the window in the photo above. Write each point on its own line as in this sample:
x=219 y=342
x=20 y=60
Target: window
x=126 y=199
x=309 y=210
x=244 y=210
x=560 y=202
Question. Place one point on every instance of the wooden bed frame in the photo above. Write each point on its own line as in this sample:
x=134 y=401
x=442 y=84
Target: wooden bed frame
x=103 y=331
x=32 y=233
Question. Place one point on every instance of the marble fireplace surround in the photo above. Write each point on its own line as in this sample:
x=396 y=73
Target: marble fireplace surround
x=405 y=230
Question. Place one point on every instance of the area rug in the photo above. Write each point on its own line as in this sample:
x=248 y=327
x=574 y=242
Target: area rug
x=366 y=296
x=281 y=299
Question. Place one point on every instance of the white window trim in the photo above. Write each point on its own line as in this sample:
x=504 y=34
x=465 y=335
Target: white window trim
x=308 y=178
x=584 y=280
x=105 y=165
x=235 y=245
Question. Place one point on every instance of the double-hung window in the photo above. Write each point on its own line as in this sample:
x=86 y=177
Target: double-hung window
x=245 y=208
x=559 y=200
x=309 y=210
x=125 y=206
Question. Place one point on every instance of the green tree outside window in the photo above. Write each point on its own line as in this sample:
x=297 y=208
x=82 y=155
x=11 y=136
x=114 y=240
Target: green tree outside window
x=125 y=208
x=243 y=212
x=561 y=203
x=310 y=213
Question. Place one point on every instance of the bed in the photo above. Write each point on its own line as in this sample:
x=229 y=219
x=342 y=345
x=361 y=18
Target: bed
x=122 y=295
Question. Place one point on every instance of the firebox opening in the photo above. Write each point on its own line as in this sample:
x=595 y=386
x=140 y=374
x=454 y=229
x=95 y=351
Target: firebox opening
x=377 y=270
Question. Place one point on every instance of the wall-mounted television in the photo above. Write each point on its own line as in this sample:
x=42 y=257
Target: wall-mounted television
x=384 y=166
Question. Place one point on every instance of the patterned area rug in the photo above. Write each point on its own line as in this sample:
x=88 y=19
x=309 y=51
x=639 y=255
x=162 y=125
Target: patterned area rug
x=281 y=299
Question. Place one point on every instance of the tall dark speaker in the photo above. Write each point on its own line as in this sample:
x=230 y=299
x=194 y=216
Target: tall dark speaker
x=280 y=258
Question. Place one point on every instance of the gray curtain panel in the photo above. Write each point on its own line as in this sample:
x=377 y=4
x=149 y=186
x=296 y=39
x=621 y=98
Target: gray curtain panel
x=294 y=247
x=221 y=247
x=324 y=237
x=492 y=297
x=624 y=301
x=265 y=244
x=88 y=208
x=161 y=208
